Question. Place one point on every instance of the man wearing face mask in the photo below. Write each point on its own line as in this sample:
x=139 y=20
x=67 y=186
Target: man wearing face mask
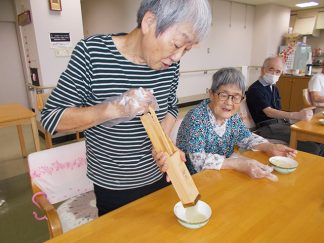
x=263 y=101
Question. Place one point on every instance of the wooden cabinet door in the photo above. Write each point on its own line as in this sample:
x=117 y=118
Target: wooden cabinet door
x=296 y=98
x=284 y=85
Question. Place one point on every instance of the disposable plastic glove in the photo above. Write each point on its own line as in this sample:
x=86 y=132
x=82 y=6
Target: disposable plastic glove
x=280 y=150
x=130 y=104
x=256 y=169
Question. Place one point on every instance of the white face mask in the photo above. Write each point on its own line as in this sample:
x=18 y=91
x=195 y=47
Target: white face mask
x=270 y=78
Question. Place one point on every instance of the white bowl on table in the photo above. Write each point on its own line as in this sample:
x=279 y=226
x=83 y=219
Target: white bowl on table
x=193 y=217
x=321 y=121
x=283 y=165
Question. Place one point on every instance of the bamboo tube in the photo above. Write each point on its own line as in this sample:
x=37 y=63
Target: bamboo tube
x=151 y=133
x=177 y=170
x=158 y=126
x=159 y=136
x=173 y=147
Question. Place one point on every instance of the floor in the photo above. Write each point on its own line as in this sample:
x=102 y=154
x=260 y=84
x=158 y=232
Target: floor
x=17 y=224
x=16 y=220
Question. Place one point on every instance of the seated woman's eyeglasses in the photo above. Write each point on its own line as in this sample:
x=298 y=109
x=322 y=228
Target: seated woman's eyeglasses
x=236 y=99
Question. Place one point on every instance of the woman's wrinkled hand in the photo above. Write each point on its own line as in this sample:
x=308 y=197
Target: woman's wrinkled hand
x=256 y=169
x=161 y=158
x=280 y=150
x=137 y=101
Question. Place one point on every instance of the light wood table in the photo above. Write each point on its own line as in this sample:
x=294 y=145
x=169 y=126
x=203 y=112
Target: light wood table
x=307 y=131
x=243 y=210
x=18 y=115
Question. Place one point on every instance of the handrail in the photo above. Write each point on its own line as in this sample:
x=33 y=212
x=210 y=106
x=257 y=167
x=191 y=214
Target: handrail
x=37 y=88
x=205 y=71
x=199 y=70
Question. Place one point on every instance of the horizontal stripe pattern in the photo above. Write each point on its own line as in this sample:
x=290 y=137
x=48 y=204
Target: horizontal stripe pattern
x=118 y=157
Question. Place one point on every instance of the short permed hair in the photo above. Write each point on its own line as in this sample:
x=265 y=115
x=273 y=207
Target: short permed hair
x=226 y=76
x=171 y=12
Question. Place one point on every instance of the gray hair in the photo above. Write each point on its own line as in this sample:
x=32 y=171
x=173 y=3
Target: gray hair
x=226 y=76
x=171 y=12
x=270 y=59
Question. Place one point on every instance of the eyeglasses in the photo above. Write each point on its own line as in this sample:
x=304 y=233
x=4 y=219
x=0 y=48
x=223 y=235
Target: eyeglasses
x=236 y=99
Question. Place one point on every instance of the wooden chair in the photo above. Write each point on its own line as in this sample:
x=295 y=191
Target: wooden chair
x=246 y=116
x=175 y=129
x=41 y=99
x=59 y=175
x=308 y=100
x=250 y=124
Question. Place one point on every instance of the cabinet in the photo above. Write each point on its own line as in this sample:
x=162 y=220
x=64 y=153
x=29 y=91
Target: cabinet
x=320 y=20
x=306 y=26
x=291 y=91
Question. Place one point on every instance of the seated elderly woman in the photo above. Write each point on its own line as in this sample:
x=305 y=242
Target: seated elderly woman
x=210 y=131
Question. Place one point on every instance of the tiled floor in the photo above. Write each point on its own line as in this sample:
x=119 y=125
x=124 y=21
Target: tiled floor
x=17 y=224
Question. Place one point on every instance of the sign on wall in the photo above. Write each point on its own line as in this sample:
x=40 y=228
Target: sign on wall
x=60 y=40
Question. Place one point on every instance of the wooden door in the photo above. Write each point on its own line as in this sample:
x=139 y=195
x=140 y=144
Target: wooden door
x=296 y=100
x=284 y=85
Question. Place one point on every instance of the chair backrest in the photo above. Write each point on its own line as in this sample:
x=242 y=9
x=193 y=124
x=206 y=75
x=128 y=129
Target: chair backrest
x=175 y=129
x=41 y=99
x=246 y=115
x=60 y=172
x=307 y=98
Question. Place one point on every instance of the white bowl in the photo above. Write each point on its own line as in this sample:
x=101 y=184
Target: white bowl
x=193 y=217
x=321 y=121
x=283 y=165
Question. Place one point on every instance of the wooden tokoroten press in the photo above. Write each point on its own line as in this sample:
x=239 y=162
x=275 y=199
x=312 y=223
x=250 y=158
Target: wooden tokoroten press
x=177 y=170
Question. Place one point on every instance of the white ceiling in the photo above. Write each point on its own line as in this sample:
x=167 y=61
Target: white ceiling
x=287 y=3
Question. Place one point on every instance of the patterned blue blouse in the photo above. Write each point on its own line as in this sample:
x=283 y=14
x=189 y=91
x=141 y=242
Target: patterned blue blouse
x=204 y=143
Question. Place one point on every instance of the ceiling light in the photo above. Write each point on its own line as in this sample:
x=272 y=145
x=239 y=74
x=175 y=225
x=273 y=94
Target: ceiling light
x=308 y=4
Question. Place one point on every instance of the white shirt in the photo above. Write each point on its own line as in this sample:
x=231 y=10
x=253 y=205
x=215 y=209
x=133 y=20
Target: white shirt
x=316 y=83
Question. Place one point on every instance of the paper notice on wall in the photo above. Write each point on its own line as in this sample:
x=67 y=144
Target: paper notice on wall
x=63 y=52
x=60 y=40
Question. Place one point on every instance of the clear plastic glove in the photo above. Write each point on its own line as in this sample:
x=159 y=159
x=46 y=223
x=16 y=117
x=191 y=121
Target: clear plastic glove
x=280 y=150
x=130 y=104
x=256 y=169
x=304 y=114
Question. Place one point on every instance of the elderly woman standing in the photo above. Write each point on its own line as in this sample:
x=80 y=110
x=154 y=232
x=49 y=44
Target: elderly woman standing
x=210 y=131
x=112 y=79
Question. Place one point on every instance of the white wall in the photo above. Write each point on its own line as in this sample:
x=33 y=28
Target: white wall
x=228 y=43
x=113 y=16
x=69 y=20
x=237 y=36
x=270 y=24
x=35 y=48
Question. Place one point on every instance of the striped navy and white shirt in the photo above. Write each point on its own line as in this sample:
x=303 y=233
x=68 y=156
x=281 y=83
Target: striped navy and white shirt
x=118 y=157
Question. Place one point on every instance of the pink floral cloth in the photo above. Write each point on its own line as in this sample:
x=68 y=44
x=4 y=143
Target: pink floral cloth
x=60 y=172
